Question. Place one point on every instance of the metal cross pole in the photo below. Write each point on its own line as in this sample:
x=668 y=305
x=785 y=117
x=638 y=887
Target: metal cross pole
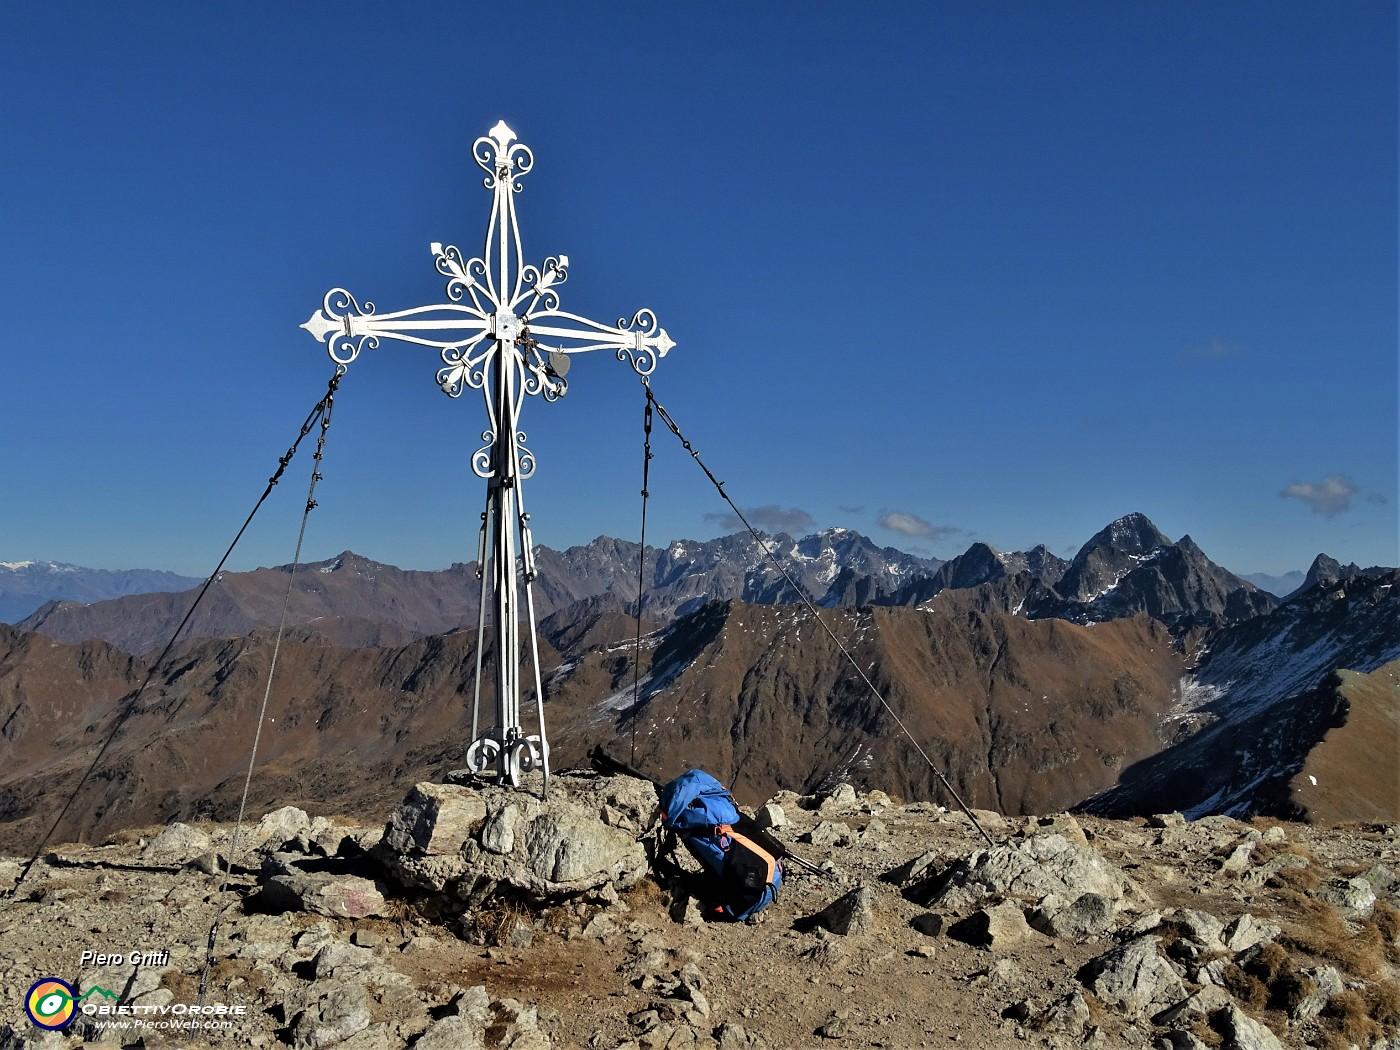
x=490 y=338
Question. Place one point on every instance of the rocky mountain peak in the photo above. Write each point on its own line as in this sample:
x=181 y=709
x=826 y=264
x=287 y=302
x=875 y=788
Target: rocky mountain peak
x=838 y=543
x=345 y=561
x=1325 y=569
x=978 y=564
x=1131 y=534
x=1187 y=544
x=1110 y=554
x=1045 y=566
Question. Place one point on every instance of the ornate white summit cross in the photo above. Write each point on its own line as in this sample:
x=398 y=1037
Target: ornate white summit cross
x=490 y=339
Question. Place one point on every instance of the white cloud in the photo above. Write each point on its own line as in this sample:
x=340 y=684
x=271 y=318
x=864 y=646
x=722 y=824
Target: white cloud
x=912 y=525
x=1330 y=496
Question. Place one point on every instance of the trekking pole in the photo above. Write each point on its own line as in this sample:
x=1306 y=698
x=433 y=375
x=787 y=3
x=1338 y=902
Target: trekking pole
x=777 y=848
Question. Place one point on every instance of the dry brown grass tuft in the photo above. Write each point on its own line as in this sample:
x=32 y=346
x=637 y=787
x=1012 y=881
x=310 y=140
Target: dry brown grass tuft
x=182 y=985
x=557 y=920
x=495 y=925
x=1304 y=880
x=1347 y=871
x=1303 y=877
x=1384 y=1000
x=1386 y=920
x=1269 y=979
x=1347 y=1010
x=1269 y=962
x=1264 y=851
x=399 y=909
x=1289 y=991
x=1245 y=987
x=223 y=973
x=510 y=916
x=1097 y=1011
x=1203 y=1031
x=647 y=897
x=1319 y=931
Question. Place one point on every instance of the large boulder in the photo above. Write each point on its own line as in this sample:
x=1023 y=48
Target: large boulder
x=339 y=1010
x=1353 y=898
x=435 y=819
x=277 y=828
x=1088 y=916
x=1135 y=978
x=1037 y=869
x=468 y=841
x=178 y=842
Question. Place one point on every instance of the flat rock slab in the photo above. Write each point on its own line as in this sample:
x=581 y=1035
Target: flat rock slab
x=338 y=896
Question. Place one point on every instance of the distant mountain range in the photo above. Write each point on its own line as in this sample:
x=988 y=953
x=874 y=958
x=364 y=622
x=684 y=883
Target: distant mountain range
x=1278 y=586
x=26 y=585
x=835 y=567
x=1127 y=568
x=1137 y=676
x=353 y=600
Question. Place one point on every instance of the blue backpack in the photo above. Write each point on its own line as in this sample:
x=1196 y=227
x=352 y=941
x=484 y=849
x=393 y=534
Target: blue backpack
x=697 y=808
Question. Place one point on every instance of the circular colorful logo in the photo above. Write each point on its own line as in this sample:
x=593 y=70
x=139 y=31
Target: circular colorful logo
x=51 y=1003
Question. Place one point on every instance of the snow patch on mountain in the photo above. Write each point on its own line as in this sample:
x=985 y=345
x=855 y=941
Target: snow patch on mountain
x=651 y=682
x=1191 y=697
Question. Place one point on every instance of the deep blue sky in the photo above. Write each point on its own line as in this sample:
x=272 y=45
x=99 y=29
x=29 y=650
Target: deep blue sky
x=937 y=272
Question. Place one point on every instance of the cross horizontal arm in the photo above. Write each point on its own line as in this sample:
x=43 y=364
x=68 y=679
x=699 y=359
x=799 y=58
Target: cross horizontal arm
x=346 y=327
x=641 y=340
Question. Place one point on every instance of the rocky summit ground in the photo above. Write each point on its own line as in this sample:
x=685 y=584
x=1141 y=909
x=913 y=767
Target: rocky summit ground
x=478 y=917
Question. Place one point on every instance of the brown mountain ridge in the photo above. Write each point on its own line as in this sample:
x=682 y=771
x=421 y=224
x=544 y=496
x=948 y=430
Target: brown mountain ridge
x=1023 y=716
